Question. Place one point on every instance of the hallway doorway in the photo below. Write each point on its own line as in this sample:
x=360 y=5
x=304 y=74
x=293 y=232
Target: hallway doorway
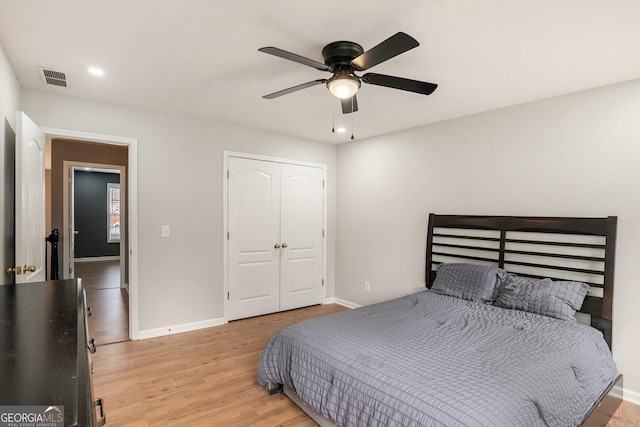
x=111 y=281
x=95 y=253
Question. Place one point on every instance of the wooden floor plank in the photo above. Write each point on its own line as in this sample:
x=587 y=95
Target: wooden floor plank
x=206 y=377
x=209 y=378
x=109 y=321
x=103 y=274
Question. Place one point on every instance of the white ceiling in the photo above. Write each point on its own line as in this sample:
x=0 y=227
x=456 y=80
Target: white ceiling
x=200 y=57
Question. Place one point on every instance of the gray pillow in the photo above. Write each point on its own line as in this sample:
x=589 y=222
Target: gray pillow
x=558 y=299
x=468 y=281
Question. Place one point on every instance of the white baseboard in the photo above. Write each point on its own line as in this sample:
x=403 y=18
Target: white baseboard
x=97 y=258
x=177 y=329
x=631 y=396
x=341 y=302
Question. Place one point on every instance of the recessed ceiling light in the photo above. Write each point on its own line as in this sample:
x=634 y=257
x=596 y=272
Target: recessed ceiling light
x=96 y=71
x=341 y=130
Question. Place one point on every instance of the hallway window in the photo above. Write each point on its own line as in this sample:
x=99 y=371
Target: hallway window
x=113 y=213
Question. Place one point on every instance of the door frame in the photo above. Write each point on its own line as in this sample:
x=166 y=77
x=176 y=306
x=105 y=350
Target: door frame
x=132 y=200
x=68 y=166
x=225 y=213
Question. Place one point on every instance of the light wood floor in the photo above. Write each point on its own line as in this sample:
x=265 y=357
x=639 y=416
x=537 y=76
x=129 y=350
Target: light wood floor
x=109 y=321
x=209 y=378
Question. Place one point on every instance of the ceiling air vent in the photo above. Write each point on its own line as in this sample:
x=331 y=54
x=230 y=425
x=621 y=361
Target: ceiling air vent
x=53 y=77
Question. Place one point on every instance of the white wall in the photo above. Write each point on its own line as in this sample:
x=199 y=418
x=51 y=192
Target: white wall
x=180 y=183
x=575 y=155
x=9 y=104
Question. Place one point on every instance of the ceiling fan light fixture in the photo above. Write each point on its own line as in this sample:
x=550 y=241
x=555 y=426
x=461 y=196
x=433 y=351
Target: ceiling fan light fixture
x=343 y=86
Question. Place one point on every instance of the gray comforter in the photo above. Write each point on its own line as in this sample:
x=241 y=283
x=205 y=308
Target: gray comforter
x=433 y=360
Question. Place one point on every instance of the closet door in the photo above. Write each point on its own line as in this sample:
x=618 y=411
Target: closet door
x=301 y=232
x=254 y=232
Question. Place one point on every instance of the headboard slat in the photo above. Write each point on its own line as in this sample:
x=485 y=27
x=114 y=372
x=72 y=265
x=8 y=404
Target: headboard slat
x=553 y=267
x=554 y=255
x=469 y=257
x=542 y=242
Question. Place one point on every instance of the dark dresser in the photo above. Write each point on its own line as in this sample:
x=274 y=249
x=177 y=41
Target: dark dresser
x=45 y=350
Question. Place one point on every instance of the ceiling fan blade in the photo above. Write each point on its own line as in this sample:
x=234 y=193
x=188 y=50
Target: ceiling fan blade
x=416 y=86
x=349 y=105
x=295 y=58
x=294 y=88
x=393 y=46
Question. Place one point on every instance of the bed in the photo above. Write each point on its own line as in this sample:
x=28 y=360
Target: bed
x=480 y=345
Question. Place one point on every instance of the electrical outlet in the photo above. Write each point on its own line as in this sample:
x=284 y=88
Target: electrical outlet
x=367 y=287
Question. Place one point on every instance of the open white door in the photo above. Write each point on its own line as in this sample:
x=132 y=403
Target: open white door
x=30 y=202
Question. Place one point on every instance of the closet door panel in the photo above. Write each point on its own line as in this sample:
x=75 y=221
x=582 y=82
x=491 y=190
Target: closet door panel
x=301 y=231
x=254 y=223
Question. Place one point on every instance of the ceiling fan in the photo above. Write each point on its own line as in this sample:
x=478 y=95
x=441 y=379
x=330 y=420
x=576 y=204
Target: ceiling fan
x=344 y=59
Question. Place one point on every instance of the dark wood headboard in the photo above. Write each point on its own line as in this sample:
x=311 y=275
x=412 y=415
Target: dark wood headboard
x=562 y=248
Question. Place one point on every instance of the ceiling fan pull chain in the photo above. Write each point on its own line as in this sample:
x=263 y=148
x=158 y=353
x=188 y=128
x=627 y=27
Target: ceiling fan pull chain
x=333 y=115
x=352 y=137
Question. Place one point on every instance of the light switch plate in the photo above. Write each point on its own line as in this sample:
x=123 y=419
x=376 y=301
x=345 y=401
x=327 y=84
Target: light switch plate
x=166 y=231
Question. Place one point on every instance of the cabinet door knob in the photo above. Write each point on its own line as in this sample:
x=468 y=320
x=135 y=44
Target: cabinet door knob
x=277 y=246
x=284 y=245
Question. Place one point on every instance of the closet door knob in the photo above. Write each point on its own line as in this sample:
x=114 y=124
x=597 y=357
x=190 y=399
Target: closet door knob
x=277 y=246
x=284 y=245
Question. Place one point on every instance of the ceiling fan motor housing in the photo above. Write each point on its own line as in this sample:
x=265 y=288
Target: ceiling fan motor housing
x=338 y=55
